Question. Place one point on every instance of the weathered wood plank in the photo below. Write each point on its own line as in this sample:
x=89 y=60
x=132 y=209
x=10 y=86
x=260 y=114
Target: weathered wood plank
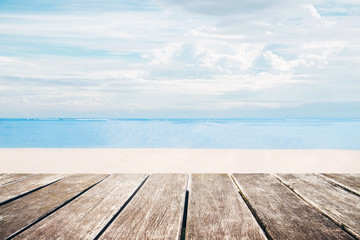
x=87 y=215
x=283 y=214
x=155 y=212
x=217 y=211
x=12 y=177
x=29 y=184
x=22 y=212
x=348 y=181
x=340 y=205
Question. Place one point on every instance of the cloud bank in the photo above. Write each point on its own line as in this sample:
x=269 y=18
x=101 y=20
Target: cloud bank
x=160 y=56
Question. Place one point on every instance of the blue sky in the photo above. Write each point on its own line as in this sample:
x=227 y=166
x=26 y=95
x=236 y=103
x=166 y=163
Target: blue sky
x=203 y=58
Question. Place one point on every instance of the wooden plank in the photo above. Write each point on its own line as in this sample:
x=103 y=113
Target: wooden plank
x=87 y=215
x=340 y=205
x=12 y=177
x=31 y=183
x=18 y=214
x=282 y=213
x=217 y=211
x=155 y=212
x=348 y=181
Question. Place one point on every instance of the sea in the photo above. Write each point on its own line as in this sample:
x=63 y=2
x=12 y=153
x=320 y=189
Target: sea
x=249 y=133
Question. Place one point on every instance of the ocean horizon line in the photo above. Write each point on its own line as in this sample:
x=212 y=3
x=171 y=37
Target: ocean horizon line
x=182 y=119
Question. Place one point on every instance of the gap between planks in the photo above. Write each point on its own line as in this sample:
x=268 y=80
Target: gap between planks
x=345 y=185
x=284 y=213
x=320 y=209
x=253 y=211
x=121 y=209
x=217 y=211
x=42 y=203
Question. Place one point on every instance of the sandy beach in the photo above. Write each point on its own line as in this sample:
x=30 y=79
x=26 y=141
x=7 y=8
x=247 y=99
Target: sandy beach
x=51 y=160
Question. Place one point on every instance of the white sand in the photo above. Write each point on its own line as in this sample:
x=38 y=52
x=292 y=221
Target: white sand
x=177 y=160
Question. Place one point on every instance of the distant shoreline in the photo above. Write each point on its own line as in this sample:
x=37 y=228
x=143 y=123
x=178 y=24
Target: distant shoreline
x=133 y=160
x=192 y=119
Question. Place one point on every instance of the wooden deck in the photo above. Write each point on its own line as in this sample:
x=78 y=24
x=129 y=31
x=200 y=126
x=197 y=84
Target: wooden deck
x=180 y=206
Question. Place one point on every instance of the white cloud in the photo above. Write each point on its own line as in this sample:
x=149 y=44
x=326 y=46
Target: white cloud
x=112 y=32
x=328 y=46
x=280 y=63
x=211 y=32
x=221 y=56
x=319 y=53
x=228 y=57
x=312 y=10
x=309 y=54
x=165 y=54
x=4 y=60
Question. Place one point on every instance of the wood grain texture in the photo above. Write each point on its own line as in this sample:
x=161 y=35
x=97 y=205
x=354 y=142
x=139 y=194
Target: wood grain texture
x=7 y=178
x=87 y=215
x=155 y=212
x=29 y=184
x=283 y=214
x=21 y=212
x=217 y=211
x=348 y=181
x=340 y=205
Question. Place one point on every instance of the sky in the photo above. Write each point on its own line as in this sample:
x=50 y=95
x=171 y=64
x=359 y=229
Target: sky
x=171 y=58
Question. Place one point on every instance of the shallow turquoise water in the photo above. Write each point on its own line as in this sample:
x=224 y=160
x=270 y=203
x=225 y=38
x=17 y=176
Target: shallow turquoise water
x=181 y=133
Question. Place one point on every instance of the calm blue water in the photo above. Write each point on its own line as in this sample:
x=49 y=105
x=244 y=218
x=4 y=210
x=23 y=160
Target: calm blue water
x=181 y=133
